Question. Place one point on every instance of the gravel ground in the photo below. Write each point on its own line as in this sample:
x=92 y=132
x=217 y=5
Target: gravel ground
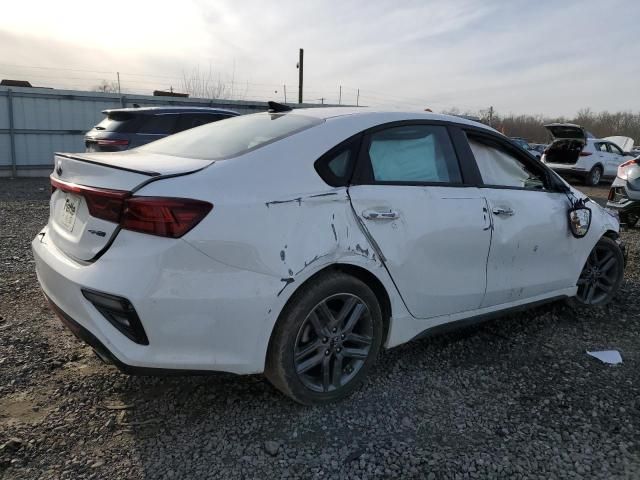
x=513 y=398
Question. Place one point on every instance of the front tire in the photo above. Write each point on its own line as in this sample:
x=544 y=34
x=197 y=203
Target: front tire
x=326 y=340
x=601 y=275
x=594 y=176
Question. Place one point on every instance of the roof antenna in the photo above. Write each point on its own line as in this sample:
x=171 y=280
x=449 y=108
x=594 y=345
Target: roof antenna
x=275 y=107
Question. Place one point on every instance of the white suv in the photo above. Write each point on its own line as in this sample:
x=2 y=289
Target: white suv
x=576 y=153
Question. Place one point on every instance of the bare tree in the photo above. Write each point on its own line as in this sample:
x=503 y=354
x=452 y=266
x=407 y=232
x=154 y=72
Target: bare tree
x=106 y=87
x=601 y=124
x=210 y=84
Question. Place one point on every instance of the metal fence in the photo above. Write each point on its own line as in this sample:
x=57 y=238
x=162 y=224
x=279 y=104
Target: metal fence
x=36 y=122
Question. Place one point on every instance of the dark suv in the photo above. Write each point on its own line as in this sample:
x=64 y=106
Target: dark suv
x=125 y=128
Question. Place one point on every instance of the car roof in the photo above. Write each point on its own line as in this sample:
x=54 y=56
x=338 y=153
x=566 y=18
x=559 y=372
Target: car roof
x=170 y=109
x=383 y=115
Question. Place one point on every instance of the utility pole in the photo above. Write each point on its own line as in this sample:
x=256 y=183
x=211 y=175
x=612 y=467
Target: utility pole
x=119 y=92
x=284 y=88
x=300 y=74
x=340 y=96
x=491 y=116
x=358 y=98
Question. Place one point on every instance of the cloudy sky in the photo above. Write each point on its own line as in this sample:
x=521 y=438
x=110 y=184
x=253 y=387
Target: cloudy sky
x=524 y=56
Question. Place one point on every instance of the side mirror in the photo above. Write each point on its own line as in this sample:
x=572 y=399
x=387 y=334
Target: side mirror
x=579 y=221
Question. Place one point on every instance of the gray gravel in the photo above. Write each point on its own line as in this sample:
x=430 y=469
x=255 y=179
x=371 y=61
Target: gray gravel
x=513 y=398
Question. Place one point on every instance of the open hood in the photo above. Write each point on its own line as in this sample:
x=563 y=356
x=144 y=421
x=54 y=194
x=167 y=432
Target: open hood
x=625 y=143
x=567 y=130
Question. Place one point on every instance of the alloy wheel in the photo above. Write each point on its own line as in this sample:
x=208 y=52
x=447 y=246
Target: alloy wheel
x=599 y=275
x=333 y=343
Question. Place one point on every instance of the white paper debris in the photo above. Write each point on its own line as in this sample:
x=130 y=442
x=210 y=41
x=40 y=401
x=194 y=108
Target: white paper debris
x=611 y=357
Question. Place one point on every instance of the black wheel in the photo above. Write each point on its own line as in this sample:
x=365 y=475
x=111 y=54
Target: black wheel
x=602 y=274
x=326 y=339
x=594 y=176
x=630 y=219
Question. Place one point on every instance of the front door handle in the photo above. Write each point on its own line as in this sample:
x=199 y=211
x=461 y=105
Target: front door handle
x=380 y=214
x=506 y=212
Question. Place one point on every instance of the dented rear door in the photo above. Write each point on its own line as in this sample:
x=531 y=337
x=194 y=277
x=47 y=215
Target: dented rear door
x=432 y=232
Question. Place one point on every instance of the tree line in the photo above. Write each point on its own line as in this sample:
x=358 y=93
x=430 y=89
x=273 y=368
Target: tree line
x=531 y=127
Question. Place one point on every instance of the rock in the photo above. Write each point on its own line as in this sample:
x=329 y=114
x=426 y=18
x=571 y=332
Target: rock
x=11 y=445
x=271 y=447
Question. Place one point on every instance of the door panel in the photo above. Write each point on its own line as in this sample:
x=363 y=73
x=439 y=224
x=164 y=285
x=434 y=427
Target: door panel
x=435 y=242
x=531 y=248
x=614 y=159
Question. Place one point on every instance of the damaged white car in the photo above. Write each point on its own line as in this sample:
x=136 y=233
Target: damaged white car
x=299 y=243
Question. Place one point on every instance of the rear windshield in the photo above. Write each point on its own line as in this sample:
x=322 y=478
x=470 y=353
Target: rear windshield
x=116 y=122
x=231 y=137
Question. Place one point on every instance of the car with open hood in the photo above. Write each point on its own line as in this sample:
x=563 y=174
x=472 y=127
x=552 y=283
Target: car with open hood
x=299 y=244
x=576 y=153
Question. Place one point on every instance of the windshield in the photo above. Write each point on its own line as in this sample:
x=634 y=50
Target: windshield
x=231 y=137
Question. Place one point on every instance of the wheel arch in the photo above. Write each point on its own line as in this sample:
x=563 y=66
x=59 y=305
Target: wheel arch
x=359 y=272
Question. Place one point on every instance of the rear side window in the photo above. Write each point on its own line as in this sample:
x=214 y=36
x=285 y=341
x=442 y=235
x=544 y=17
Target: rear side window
x=601 y=147
x=158 y=124
x=123 y=122
x=336 y=166
x=233 y=137
x=413 y=154
x=192 y=120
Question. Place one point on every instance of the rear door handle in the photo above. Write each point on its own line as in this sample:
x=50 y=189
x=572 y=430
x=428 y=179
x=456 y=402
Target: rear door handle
x=380 y=214
x=506 y=212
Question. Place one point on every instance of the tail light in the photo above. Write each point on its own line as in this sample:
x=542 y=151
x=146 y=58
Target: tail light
x=162 y=216
x=584 y=154
x=101 y=202
x=165 y=217
x=623 y=169
x=113 y=143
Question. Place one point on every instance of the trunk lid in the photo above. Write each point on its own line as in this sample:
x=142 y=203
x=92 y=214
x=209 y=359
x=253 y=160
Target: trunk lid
x=90 y=182
x=567 y=130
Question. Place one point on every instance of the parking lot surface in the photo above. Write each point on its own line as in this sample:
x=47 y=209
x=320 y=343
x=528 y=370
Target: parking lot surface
x=516 y=397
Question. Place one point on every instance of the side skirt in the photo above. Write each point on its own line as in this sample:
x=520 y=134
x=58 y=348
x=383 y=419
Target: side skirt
x=483 y=317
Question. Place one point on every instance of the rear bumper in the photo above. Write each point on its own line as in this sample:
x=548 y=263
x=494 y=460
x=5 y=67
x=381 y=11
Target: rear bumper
x=198 y=314
x=106 y=355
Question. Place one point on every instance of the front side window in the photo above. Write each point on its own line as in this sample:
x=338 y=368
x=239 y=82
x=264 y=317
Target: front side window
x=614 y=149
x=235 y=136
x=413 y=154
x=601 y=147
x=500 y=168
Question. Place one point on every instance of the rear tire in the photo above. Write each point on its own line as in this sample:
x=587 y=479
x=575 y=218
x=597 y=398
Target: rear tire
x=601 y=275
x=594 y=176
x=326 y=340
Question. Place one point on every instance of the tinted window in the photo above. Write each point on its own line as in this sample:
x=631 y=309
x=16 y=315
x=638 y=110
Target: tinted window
x=117 y=122
x=500 y=168
x=192 y=120
x=413 y=153
x=158 y=124
x=234 y=136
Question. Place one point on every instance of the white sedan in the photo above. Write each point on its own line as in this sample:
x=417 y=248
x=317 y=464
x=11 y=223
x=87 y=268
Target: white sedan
x=299 y=243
